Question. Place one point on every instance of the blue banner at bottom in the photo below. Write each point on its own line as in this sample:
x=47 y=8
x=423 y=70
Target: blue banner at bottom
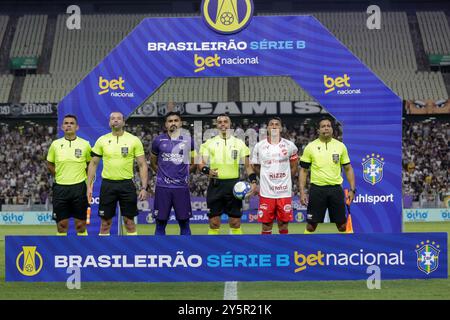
x=226 y=257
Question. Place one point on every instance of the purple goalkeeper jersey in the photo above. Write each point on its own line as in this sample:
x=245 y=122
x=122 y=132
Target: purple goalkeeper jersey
x=174 y=156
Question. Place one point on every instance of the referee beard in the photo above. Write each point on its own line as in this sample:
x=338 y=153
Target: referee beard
x=117 y=124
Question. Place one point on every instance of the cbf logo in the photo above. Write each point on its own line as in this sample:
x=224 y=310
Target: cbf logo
x=373 y=168
x=227 y=16
x=427 y=256
x=26 y=261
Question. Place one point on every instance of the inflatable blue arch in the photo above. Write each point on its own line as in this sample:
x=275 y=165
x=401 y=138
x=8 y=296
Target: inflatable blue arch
x=296 y=46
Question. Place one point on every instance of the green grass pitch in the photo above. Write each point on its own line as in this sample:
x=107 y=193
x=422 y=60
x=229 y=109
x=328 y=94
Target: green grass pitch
x=390 y=289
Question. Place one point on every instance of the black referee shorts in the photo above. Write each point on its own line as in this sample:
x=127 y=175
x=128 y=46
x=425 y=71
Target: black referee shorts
x=220 y=198
x=70 y=201
x=112 y=191
x=322 y=198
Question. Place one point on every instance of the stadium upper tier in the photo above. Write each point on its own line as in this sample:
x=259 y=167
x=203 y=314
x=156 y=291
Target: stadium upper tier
x=3 y=24
x=390 y=52
x=6 y=81
x=435 y=32
x=29 y=36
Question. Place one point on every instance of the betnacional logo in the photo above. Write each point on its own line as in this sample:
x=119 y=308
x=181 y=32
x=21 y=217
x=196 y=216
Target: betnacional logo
x=339 y=84
x=227 y=16
x=207 y=62
x=26 y=261
x=201 y=63
x=361 y=258
x=113 y=85
x=427 y=256
x=373 y=168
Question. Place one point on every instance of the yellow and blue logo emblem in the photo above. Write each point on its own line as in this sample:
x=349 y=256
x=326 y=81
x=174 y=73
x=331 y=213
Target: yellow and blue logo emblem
x=227 y=16
x=427 y=256
x=373 y=168
x=26 y=261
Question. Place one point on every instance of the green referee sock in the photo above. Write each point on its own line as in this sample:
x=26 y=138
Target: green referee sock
x=236 y=230
x=307 y=232
x=84 y=233
x=61 y=234
x=104 y=234
x=132 y=233
x=213 y=232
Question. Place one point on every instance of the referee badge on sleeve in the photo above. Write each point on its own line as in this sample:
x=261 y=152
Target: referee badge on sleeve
x=78 y=153
x=335 y=158
x=124 y=151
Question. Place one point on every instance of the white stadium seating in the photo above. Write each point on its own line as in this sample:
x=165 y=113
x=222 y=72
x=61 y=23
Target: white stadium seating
x=29 y=36
x=435 y=31
x=6 y=81
x=389 y=52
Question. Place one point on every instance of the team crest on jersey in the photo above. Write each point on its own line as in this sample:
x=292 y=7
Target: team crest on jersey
x=234 y=154
x=427 y=256
x=373 y=168
x=335 y=158
x=78 y=153
x=124 y=151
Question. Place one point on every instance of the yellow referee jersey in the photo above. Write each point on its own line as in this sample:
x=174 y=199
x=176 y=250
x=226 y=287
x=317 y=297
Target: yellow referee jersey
x=225 y=155
x=118 y=153
x=69 y=157
x=326 y=159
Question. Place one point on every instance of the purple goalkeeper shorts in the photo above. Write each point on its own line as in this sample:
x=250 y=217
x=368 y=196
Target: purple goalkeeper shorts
x=166 y=198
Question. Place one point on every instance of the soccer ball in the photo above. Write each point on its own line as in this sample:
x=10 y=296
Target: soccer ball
x=226 y=18
x=241 y=189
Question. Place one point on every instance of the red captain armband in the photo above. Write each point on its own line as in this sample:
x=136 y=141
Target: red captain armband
x=294 y=157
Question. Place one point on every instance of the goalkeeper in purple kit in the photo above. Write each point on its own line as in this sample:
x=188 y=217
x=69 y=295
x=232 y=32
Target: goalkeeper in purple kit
x=172 y=157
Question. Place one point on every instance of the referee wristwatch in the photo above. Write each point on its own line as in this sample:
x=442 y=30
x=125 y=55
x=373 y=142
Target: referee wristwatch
x=353 y=190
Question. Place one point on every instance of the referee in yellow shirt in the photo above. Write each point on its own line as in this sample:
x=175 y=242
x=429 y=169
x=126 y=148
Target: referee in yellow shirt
x=67 y=160
x=324 y=157
x=220 y=159
x=118 y=150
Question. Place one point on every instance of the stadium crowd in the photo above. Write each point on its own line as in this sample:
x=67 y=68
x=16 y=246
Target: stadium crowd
x=426 y=159
x=25 y=179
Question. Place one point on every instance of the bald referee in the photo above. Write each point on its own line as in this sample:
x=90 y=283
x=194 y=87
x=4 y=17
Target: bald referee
x=67 y=160
x=220 y=159
x=118 y=150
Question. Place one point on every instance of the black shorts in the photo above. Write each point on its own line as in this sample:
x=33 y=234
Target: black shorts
x=70 y=201
x=220 y=198
x=112 y=191
x=322 y=198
